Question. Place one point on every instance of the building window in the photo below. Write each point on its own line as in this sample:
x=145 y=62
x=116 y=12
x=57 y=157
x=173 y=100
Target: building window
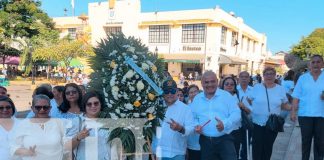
x=254 y=43
x=193 y=33
x=242 y=42
x=248 y=45
x=234 y=41
x=159 y=34
x=72 y=32
x=112 y=30
x=223 y=35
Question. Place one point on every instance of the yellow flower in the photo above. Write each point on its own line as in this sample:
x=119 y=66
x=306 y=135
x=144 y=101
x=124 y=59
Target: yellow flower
x=154 y=69
x=151 y=96
x=112 y=64
x=150 y=116
x=137 y=103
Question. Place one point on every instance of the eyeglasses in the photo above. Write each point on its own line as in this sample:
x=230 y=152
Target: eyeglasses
x=39 y=108
x=168 y=91
x=268 y=74
x=2 y=108
x=70 y=92
x=229 y=84
x=94 y=103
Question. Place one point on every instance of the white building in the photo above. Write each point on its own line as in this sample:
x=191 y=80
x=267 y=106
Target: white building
x=188 y=40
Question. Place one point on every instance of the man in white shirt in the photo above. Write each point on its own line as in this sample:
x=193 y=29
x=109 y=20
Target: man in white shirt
x=243 y=88
x=216 y=113
x=171 y=141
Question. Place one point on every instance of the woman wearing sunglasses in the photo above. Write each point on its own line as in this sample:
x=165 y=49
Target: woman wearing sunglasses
x=40 y=137
x=8 y=125
x=72 y=98
x=229 y=84
x=92 y=104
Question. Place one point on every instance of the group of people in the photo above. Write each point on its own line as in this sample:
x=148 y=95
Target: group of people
x=206 y=125
x=210 y=126
x=56 y=127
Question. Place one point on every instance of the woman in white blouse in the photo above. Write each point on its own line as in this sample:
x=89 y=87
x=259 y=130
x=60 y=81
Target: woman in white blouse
x=265 y=99
x=86 y=126
x=8 y=125
x=40 y=137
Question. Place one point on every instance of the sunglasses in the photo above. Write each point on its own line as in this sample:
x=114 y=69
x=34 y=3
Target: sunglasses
x=168 y=91
x=229 y=84
x=2 y=108
x=39 y=108
x=94 y=103
x=71 y=92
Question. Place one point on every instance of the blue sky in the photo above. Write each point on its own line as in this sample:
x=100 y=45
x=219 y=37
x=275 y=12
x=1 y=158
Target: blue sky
x=283 y=21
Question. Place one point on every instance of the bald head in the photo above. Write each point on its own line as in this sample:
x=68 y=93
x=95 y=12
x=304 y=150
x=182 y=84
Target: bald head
x=208 y=74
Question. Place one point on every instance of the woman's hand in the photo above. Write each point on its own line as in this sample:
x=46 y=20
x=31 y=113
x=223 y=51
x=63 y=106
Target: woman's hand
x=30 y=152
x=83 y=134
x=244 y=108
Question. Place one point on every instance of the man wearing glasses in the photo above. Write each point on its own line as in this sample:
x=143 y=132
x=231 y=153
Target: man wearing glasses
x=171 y=140
x=216 y=113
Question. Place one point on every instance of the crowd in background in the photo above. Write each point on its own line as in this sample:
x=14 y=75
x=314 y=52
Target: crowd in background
x=212 y=123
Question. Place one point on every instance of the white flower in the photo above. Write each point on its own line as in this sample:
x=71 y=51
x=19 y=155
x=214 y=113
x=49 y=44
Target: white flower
x=134 y=56
x=150 y=110
x=126 y=46
x=112 y=81
x=114 y=91
x=129 y=74
x=143 y=114
x=117 y=111
x=122 y=115
x=131 y=49
x=113 y=116
x=138 y=98
x=137 y=76
x=125 y=96
x=145 y=66
x=124 y=54
x=113 y=53
x=150 y=63
x=106 y=100
x=104 y=81
x=102 y=69
x=136 y=115
x=140 y=86
x=129 y=106
x=112 y=102
x=131 y=88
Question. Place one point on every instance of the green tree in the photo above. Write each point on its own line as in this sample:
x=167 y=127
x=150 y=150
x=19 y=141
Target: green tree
x=65 y=50
x=23 y=22
x=313 y=44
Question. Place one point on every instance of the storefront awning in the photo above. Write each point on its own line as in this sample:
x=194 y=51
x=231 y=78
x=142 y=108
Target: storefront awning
x=183 y=58
x=231 y=60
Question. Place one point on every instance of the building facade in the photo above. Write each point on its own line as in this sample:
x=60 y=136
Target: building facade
x=189 y=41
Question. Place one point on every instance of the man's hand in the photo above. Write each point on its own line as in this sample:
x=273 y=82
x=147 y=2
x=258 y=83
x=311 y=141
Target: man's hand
x=293 y=116
x=220 y=125
x=198 y=129
x=174 y=125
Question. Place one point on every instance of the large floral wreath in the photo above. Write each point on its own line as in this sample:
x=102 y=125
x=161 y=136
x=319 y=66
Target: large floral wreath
x=127 y=94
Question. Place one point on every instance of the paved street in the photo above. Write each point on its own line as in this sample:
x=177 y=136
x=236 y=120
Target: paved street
x=286 y=147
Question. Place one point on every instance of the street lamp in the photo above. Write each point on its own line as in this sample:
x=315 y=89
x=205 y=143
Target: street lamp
x=156 y=51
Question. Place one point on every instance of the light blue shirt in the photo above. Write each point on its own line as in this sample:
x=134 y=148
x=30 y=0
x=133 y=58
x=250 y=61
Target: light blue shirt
x=259 y=108
x=288 y=85
x=308 y=92
x=243 y=94
x=193 y=139
x=102 y=134
x=169 y=143
x=222 y=105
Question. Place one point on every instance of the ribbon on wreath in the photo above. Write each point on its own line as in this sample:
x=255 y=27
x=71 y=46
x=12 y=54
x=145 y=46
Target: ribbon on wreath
x=137 y=69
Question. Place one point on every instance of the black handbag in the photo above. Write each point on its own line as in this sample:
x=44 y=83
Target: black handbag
x=275 y=122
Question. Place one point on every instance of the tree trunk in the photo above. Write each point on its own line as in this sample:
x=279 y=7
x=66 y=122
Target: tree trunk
x=48 y=69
